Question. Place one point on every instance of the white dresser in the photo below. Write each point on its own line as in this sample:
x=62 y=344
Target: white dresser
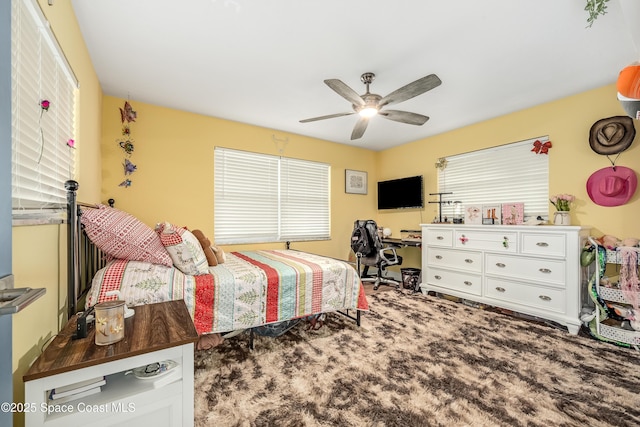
x=529 y=269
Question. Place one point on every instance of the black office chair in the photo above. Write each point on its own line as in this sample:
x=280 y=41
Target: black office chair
x=371 y=252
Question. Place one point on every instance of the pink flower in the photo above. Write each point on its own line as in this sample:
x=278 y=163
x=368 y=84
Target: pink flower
x=45 y=104
x=562 y=202
x=71 y=143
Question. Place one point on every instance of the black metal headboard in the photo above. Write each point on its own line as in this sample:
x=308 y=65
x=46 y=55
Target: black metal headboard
x=84 y=258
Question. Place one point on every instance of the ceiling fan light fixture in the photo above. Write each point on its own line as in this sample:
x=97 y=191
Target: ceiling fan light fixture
x=368 y=112
x=371 y=104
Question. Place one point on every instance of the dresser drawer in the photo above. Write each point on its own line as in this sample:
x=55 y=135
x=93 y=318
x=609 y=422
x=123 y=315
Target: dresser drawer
x=538 y=297
x=553 y=245
x=439 y=237
x=547 y=271
x=489 y=240
x=452 y=258
x=463 y=282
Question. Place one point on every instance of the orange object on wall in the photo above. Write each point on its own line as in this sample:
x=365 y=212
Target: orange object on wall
x=629 y=81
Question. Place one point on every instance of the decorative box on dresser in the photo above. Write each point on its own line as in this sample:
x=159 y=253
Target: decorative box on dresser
x=156 y=332
x=533 y=270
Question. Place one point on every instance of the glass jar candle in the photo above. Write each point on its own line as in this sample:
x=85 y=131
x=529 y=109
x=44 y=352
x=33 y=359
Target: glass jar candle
x=109 y=322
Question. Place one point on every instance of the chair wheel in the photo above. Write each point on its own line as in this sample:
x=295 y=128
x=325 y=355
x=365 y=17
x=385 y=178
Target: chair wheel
x=375 y=288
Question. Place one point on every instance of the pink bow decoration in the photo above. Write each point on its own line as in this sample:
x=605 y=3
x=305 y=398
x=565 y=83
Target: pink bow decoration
x=540 y=148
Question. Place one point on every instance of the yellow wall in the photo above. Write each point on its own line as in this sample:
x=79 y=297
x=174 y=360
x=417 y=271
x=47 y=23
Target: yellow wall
x=39 y=252
x=173 y=152
x=571 y=160
x=174 y=155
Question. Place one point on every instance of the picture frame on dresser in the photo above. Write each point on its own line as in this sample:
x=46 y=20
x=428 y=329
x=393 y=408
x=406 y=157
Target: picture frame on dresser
x=492 y=214
x=473 y=214
x=512 y=213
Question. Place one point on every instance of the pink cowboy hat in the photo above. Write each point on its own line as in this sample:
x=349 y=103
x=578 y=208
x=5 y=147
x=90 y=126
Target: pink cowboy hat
x=612 y=186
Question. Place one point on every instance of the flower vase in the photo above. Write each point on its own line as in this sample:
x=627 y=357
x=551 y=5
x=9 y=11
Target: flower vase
x=561 y=218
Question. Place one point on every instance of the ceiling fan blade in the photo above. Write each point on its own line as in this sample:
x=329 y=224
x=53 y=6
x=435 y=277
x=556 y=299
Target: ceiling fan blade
x=330 y=116
x=345 y=91
x=359 y=128
x=416 y=88
x=404 y=117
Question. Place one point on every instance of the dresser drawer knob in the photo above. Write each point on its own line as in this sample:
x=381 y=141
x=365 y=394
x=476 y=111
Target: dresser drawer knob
x=468 y=283
x=542 y=244
x=468 y=261
x=500 y=289
x=501 y=265
x=505 y=242
x=463 y=239
x=440 y=238
x=438 y=277
x=544 y=270
x=438 y=256
x=544 y=298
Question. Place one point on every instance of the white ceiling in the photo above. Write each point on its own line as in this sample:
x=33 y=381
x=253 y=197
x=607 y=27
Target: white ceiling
x=263 y=62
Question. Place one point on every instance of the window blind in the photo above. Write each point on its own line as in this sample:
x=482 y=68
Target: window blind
x=263 y=198
x=506 y=174
x=304 y=200
x=42 y=159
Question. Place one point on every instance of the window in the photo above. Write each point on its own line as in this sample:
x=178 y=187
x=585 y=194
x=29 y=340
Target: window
x=505 y=174
x=262 y=198
x=42 y=135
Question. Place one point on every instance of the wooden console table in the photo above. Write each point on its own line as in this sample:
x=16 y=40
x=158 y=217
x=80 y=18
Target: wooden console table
x=157 y=332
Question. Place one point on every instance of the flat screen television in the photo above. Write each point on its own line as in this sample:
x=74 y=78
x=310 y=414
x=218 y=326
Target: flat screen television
x=401 y=193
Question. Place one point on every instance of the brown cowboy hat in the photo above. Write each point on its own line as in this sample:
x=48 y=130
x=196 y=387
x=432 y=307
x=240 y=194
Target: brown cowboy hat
x=612 y=135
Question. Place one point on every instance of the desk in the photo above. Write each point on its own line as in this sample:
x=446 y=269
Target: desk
x=401 y=243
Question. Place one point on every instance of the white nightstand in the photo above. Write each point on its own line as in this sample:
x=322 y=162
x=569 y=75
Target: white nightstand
x=156 y=332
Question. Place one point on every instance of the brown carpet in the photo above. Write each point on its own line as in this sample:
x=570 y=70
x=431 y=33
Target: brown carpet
x=419 y=361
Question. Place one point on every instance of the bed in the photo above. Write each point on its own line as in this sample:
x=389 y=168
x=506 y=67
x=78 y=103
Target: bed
x=250 y=289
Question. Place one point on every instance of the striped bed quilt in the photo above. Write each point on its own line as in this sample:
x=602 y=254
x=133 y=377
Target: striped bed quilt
x=250 y=289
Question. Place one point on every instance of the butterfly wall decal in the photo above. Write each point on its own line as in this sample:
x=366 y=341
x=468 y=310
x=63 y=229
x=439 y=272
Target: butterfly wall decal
x=129 y=167
x=126 y=183
x=127 y=114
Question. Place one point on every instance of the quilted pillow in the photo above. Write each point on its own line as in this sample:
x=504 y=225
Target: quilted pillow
x=121 y=235
x=141 y=283
x=184 y=249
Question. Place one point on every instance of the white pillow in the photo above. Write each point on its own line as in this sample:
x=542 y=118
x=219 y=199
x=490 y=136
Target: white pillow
x=184 y=249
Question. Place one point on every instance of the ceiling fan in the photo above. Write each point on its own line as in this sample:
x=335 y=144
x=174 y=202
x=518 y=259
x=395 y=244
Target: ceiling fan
x=371 y=104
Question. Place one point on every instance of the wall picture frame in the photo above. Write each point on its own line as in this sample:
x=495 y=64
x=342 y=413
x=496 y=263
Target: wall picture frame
x=512 y=213
x=355 y=182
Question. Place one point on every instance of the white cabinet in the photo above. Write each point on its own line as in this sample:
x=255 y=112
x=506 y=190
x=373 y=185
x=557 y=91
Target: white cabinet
x=529 y=269
x=156 y=333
